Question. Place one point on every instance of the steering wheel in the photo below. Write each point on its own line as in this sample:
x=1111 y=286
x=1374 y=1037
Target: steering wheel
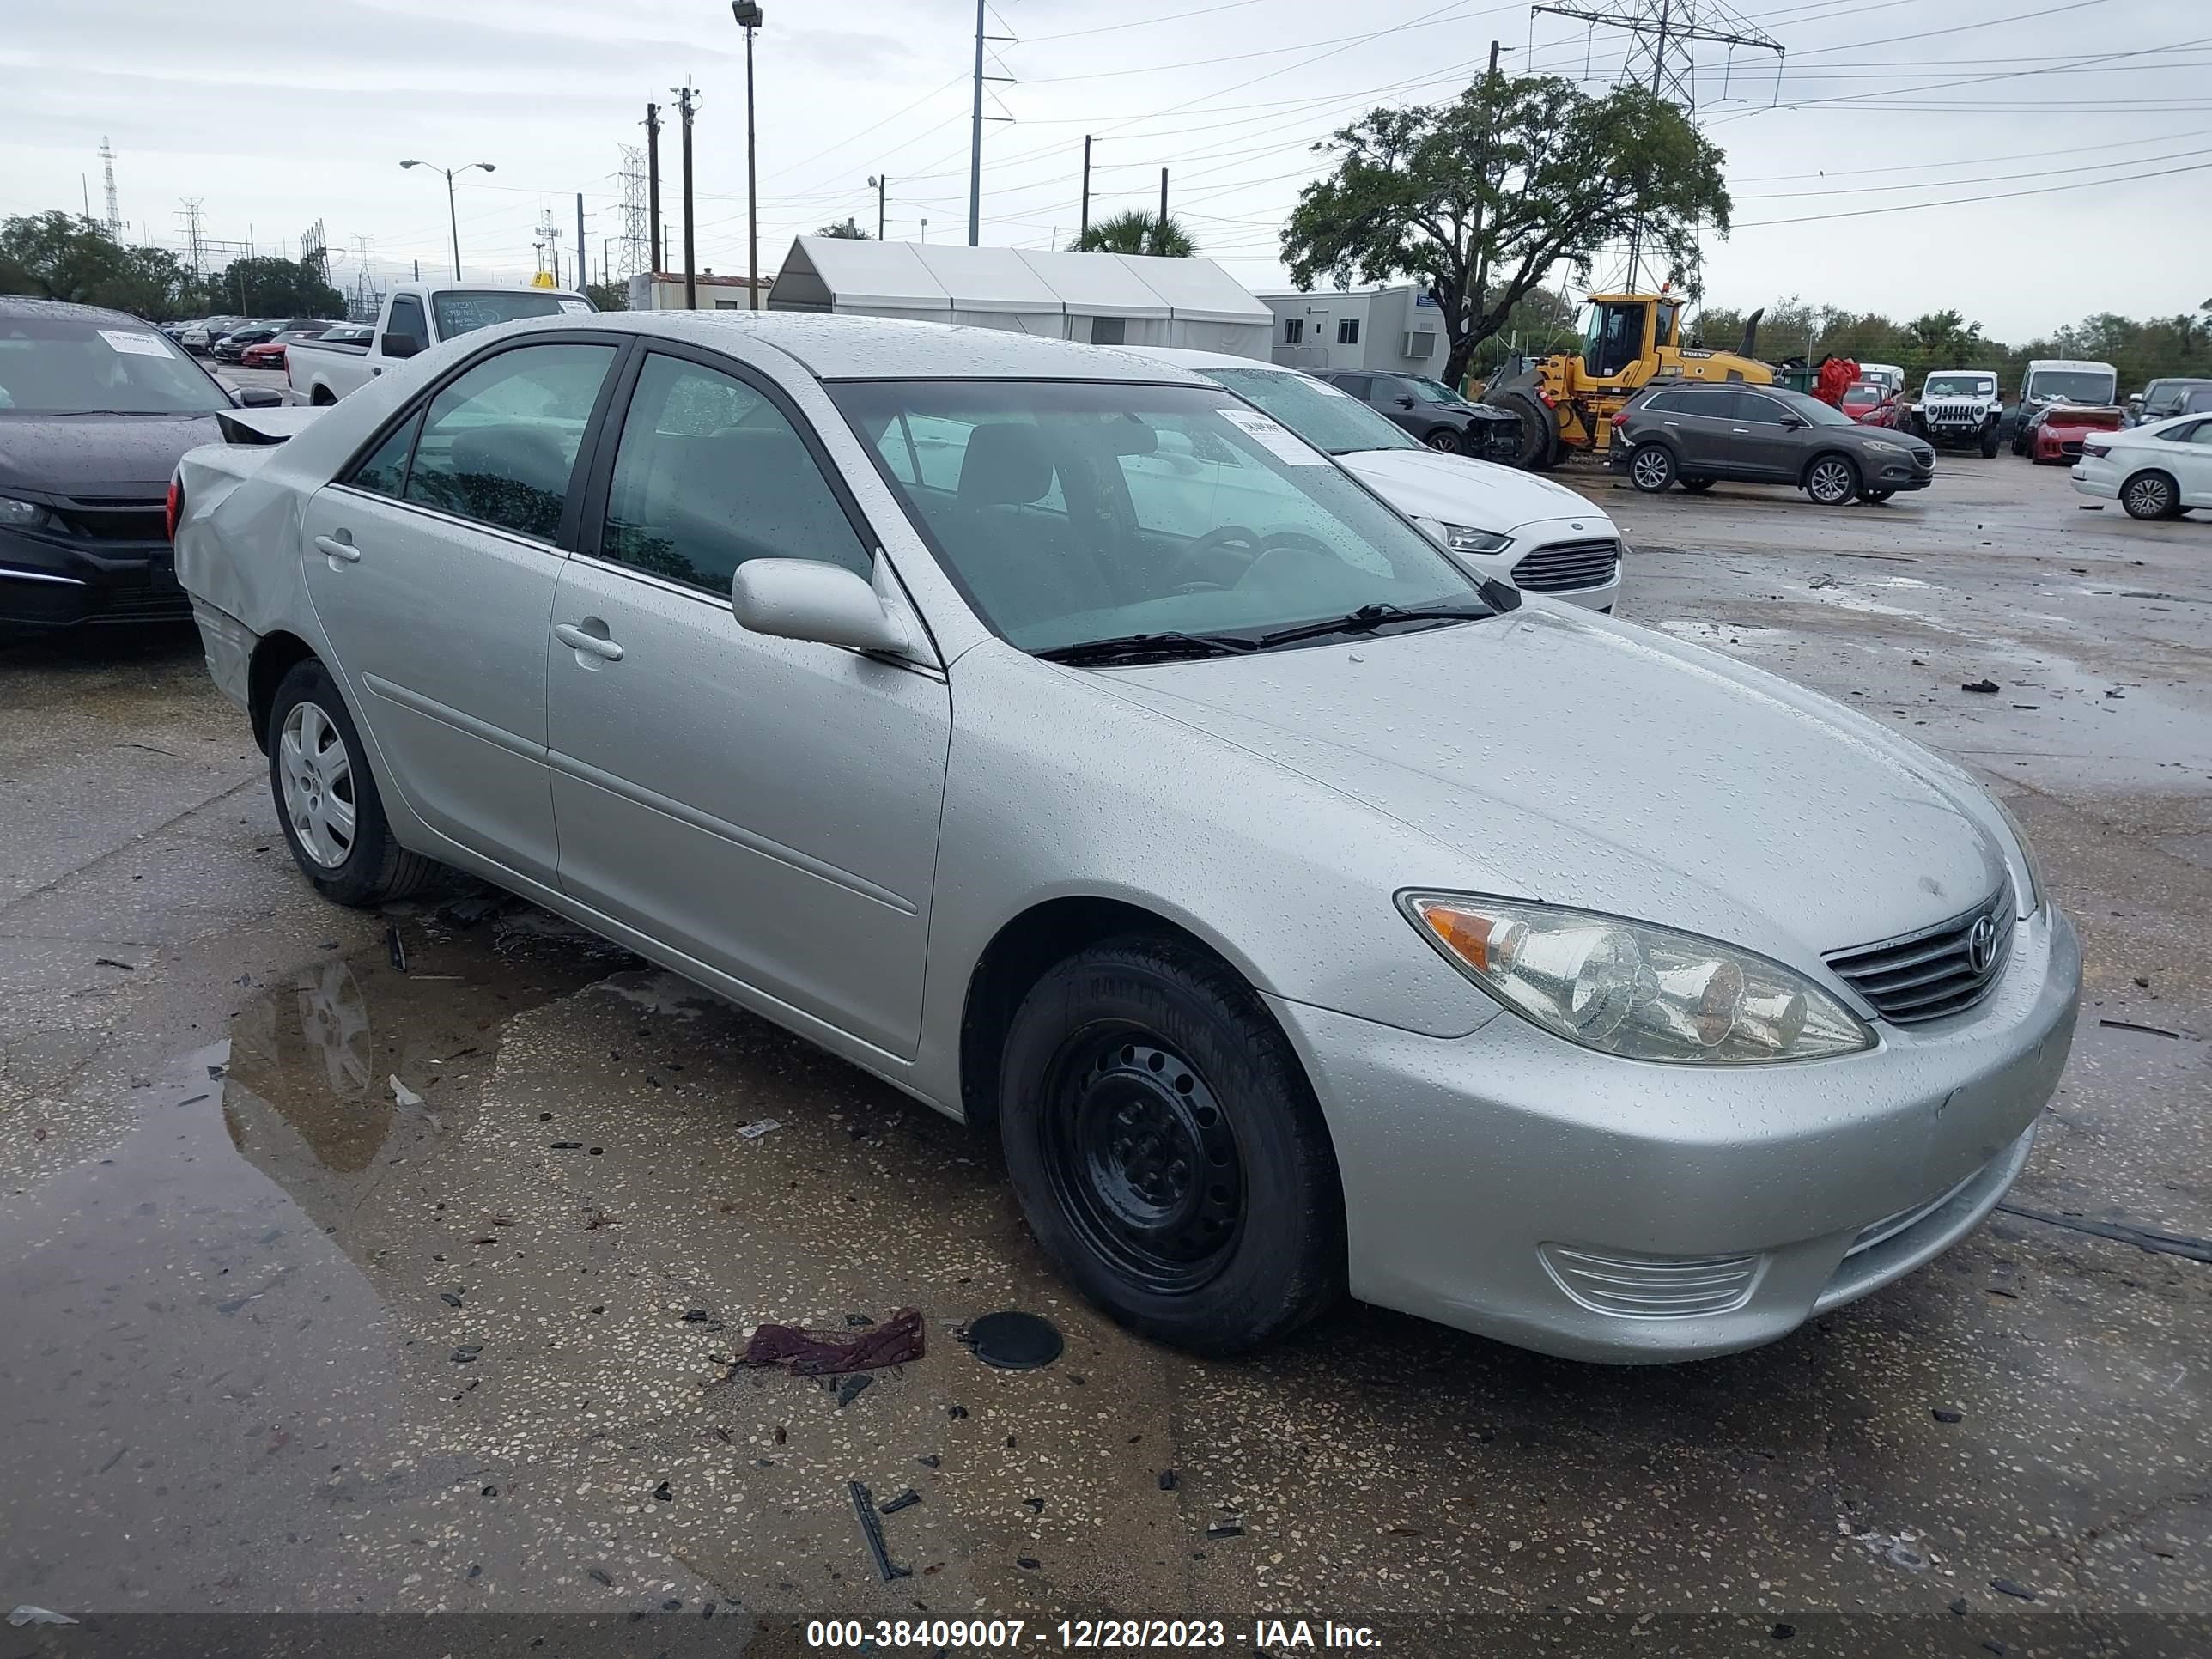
x=1229 y=539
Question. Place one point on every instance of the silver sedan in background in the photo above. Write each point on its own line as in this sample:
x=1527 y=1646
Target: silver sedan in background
x=1074 y=746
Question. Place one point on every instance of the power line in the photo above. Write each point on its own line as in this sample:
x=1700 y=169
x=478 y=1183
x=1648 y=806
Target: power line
x=1963 y=201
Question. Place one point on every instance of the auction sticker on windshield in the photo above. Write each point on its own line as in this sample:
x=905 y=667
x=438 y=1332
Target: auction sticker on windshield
x=137 y=345
x=1279 y=440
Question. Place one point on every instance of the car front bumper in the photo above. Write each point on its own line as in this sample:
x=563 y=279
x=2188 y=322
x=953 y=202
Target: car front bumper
x=1896 y=472
x=1513 y=1184
x=48 y=582
x=1554 y=551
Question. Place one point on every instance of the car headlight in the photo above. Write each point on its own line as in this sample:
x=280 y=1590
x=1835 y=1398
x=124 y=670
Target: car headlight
x=1464 y=538
x=23 y=515
x=1629 y=988
x=1884 y=444
x=2029 y=865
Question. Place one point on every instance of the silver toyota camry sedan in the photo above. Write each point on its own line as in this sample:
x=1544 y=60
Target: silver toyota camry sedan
x=1064 y=741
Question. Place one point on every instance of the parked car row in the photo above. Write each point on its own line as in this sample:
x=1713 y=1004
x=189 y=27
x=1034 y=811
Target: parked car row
x=228 y=339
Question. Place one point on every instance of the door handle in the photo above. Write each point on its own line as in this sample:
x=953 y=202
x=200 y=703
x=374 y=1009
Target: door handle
x=1739 y=431
x=338 y=549
x=597 y=645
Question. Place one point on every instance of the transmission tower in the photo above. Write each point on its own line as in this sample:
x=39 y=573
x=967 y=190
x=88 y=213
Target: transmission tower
x=366 y=298
x=1663 y=38
x=108 y=160
x=548 y=243
x=195 y=252
x=635 y=244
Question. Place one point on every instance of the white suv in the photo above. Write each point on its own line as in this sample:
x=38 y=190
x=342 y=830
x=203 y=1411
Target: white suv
x=1959 y=408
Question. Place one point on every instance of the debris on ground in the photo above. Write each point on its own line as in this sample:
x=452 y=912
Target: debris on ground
x=2006 y=1587
x=466 y=913
x=2131 y=1026
x=1168 y=1479
x=767 y=1126
x=397 y=945
x=1824 y=580
x=851 y=1388
x=24 y=1614
x=863 y=1506
x=2144 y=1238
x=406 y=1095
x=1944 y=1415
x=905 y=1500
x=896 y=1341
x=110 y=962
x=1012 y=1341
x=1233 y=1527
x=1988 y=687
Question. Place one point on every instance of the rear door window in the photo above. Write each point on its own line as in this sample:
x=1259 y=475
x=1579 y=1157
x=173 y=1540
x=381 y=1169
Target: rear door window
x=499 y=442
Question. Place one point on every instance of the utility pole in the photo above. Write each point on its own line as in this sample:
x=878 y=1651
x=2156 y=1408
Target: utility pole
x=1669 y=32
x=687 y=101
x=1470 y=302
x=580 y=245
x=748 y=13
x=1083 y=224
x=1163 y=227
x=975 y=131
x=881 y=181
x=656 y=252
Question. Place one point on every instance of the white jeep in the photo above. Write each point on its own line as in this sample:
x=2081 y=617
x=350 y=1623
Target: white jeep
x=1960 y=408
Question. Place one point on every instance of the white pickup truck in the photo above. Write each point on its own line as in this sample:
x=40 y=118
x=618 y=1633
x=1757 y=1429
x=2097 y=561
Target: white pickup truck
x=415 y=317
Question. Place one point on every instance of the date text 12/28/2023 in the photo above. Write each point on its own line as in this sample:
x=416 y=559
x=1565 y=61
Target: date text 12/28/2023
x=993 y=1636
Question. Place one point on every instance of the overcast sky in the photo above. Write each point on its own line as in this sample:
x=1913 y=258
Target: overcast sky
x=276 y=113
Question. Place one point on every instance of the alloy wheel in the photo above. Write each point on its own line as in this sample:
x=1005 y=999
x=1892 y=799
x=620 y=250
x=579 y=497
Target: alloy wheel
x=317 y=780
x=2148 y=497
x=1652 y=469
x=1142 y=1158
x=1830 y=482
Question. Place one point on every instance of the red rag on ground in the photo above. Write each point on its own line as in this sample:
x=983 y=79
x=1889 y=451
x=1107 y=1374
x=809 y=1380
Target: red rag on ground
x=896 y=1341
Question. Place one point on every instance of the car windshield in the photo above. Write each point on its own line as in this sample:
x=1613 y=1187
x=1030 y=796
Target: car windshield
x=1432 y=392
x=1812 y=409
x=1960 y=386
x=1324 y=417
x=1073 y=512
x=60 y=365
x=1866 y=392
x=461 y=311
x=2071 y=386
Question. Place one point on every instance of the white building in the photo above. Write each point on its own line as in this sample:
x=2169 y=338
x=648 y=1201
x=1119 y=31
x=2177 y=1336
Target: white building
x=1398 y=329
x=664 y=291
x=1104 y=298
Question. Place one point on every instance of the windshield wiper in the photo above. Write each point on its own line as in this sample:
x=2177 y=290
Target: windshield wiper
x=1138 y=647
x=1369 y=618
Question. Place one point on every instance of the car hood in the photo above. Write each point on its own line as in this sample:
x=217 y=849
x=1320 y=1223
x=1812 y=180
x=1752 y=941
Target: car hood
x=1575 y=760
x=1459 y=490
x=130 y=455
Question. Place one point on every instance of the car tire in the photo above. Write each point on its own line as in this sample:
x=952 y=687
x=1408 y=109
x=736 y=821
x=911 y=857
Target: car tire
x=1698 y=486
x=1446 y=442
x=1832 y=479
x=1133 y=1071
x=326 y=799
x=1989 y=444
x=1651 y=468
x=2150 y=494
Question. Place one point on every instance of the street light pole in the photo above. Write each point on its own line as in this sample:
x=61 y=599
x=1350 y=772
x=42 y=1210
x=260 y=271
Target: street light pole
x=748 y=13
x=880 y=181
x=452 y=217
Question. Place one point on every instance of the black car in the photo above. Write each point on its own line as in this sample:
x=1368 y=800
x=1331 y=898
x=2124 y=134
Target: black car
x=2162 y=400
x=1434 y=413
x=1696 y=434
x=95 y=409
x=232 y=347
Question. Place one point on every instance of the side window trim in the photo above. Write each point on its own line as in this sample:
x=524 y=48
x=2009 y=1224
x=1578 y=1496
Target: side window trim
x=417 y=407
x=592 y=500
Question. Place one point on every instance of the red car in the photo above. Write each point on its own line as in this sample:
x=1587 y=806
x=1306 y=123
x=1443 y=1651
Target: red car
x=1871 y=402
x=2060 y=430
x=270 y=354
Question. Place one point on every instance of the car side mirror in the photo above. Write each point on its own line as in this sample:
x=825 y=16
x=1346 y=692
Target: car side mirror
x=808 y=600
x=404 y=345
x=259 y=396
x=1405 y=400
x=1795 y=422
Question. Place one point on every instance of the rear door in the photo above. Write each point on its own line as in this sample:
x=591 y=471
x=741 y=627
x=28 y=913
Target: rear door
x=1698 y=423
x=2190 y=460
x=432 y=566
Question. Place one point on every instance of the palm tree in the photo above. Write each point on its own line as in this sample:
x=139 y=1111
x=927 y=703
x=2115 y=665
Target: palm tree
x=1138 y=231
x=845 y=231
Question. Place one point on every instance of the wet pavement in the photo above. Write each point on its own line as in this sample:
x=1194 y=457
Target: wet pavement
x=331 y=1284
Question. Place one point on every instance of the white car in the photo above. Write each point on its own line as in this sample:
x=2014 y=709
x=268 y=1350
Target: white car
x=1539 y=536
x=2155 y=471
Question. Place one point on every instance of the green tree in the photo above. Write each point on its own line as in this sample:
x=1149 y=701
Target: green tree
x=845 y=230
x=1138 y=231
x=267 y=286
x=62 y=256
x=1944 y=339
x=608 y=296
x=1482 y=198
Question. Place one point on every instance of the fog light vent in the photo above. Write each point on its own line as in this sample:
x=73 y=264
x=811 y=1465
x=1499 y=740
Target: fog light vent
x=1652 y=1286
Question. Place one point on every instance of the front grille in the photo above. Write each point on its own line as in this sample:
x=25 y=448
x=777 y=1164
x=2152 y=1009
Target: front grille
x=1650 y=1286
x=1954 y=415
x=1932 y=973
x=1564 y=567
x=116 y=518
x=2071 y=446
x=1924 y=459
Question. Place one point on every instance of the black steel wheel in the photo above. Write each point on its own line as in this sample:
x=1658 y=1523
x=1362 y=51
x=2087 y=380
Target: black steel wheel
x=1167 y=1150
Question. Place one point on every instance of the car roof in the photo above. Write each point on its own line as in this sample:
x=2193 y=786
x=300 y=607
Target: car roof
x=1185 y=357
x=14 y=304
x=834 y=347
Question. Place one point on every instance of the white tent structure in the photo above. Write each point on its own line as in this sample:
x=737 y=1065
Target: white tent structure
x=1106 y=299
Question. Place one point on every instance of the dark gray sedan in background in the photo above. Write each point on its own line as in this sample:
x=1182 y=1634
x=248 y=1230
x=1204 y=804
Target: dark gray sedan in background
x=1696 y=434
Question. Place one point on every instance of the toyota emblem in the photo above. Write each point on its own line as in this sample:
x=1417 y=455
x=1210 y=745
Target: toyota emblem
x=1982 y=946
